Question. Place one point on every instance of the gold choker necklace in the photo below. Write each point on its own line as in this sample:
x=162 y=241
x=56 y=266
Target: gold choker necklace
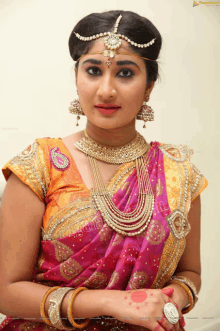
x=116 y=155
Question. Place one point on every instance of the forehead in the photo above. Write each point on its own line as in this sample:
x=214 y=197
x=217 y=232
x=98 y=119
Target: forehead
x=99 y=46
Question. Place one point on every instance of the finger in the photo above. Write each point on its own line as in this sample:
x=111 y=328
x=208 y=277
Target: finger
x=165 y=322
x=158 y=327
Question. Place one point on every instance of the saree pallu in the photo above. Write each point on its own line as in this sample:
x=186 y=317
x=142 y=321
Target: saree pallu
x=78 y=248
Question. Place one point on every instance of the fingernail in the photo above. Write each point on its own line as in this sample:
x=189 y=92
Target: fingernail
x=168 y=291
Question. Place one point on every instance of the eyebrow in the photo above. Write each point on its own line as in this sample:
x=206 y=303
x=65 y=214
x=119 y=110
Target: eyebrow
x=119 y=63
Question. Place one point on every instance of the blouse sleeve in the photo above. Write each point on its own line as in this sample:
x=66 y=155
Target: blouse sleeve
x=31 y=167
x=198 y=182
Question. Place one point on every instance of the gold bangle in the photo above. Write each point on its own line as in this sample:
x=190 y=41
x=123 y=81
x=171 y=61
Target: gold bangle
x=190 y=284
x=54 y=310
x=42 y=308
x=192 y=303
x=69 y=309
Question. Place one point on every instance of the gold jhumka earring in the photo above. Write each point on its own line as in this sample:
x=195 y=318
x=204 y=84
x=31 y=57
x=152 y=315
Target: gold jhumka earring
x=112 y=42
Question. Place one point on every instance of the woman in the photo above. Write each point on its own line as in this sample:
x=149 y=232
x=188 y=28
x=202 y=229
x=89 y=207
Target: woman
x=102 y=209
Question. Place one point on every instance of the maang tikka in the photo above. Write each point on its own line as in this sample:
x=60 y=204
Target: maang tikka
x=112 y=43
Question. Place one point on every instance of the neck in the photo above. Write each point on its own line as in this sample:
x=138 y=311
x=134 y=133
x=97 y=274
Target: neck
x=112 y=137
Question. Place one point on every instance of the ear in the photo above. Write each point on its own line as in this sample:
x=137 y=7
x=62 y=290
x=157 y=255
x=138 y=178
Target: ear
x=150 y=88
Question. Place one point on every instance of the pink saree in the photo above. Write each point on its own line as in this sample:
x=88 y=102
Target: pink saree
x=94 y=255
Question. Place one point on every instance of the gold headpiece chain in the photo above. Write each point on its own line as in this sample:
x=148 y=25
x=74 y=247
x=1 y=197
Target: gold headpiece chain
x=113 y=41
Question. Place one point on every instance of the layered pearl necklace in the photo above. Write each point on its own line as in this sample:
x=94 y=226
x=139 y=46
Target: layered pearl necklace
x=99 y=193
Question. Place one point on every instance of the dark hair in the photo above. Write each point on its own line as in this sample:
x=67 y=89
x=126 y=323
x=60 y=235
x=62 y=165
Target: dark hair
x=137 y=28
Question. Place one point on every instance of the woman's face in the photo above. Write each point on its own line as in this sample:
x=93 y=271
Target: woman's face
x=122 y=84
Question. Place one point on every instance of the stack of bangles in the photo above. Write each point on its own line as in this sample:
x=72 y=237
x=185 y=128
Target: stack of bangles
x=190 y=288
x=54 y=310
x=55 y=301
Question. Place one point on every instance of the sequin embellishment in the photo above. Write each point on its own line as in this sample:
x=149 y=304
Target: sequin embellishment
x=184 y=150
x=59 y=160
x=178 y=223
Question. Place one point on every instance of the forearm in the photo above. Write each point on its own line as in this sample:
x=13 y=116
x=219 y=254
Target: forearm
x=23 y=299
x=180 y=295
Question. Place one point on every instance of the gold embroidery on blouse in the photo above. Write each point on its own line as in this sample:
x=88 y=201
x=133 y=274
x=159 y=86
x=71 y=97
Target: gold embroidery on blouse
x=31 y=165
x=179 y=153
x=171 y=255
x=177 y=176
x=198 y=181
x=69 y=219
x=179 y=225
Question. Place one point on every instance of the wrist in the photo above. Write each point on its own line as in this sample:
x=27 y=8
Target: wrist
x=109 y=301
x=179 y=296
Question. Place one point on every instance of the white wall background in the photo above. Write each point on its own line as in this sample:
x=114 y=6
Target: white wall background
x=37 y=84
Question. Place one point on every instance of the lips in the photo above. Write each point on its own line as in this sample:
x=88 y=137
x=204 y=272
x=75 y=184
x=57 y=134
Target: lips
x=107 y=105
x=107 y=108
x=107 y=111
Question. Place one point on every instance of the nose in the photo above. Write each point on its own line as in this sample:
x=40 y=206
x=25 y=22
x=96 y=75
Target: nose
x=106 y=88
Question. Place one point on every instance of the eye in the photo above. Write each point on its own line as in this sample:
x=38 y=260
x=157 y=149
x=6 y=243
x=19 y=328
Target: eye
x=94 y=71
x=129 y=72
x=92 y=68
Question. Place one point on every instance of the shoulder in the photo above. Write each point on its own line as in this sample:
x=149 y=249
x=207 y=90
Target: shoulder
x=31 y=166
x=179 y=153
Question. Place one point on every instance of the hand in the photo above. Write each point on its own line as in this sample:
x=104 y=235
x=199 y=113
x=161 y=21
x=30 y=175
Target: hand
x=143 y=307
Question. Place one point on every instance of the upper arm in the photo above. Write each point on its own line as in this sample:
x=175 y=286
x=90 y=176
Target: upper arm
x=190 y=260
x=21 y=216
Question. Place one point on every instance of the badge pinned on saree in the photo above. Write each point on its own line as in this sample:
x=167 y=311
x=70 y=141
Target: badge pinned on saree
x=59 y=160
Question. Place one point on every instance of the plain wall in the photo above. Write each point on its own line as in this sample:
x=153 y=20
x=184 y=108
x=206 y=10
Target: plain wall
x=37 y=84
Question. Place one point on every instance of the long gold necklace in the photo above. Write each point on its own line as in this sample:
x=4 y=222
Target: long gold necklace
x=99 y=193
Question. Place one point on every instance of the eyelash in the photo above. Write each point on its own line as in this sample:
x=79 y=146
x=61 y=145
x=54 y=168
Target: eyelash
x=129 y=70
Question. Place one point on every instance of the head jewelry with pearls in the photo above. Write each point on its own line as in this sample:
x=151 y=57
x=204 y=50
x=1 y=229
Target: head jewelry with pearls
x=112 y=43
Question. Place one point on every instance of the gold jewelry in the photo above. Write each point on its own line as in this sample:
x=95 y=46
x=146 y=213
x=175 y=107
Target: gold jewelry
x=100 y=195
x=42 y=308
x=192 y=303
x=146 y=113
x=190 y=284
x=113 y=41
x=55 y=305
x=116 y=155
x=75 y=108
x=69 y=309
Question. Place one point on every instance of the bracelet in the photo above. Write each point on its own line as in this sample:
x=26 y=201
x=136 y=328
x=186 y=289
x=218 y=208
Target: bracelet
x=54 y=308
x=42 y=308
x=190 y=285
x=191 y=305
x=69 y=309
